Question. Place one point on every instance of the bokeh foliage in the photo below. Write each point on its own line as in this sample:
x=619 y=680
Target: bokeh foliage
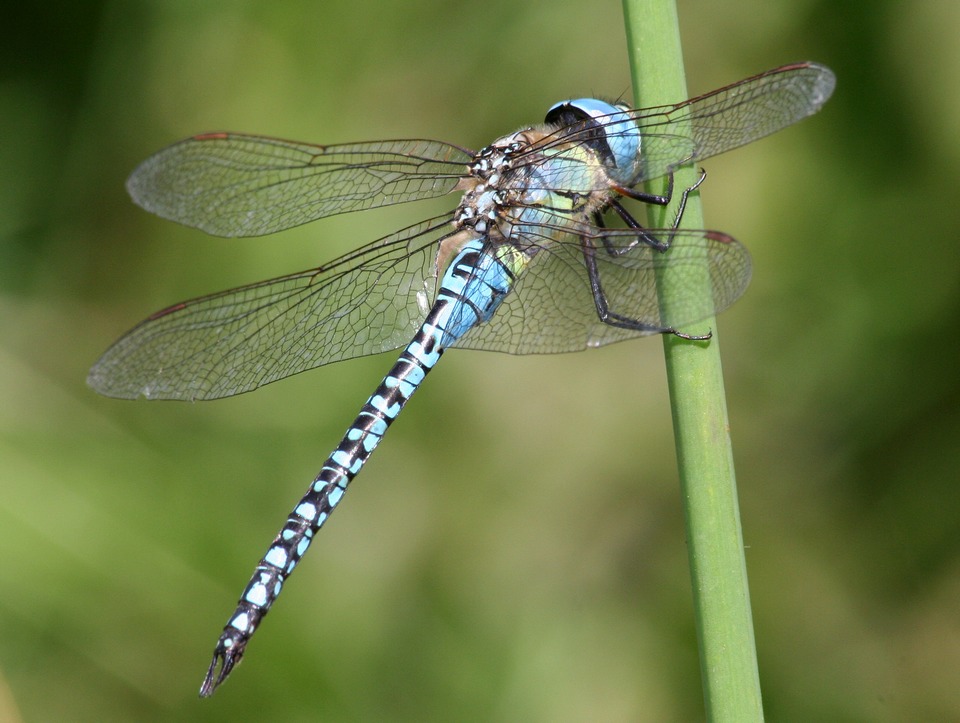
x=515 y=549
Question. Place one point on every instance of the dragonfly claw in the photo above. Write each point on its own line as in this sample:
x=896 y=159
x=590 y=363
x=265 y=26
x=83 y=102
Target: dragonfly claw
x=691 y=337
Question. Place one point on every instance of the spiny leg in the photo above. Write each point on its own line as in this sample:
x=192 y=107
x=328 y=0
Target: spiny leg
x=654 y=198
x=642 y=236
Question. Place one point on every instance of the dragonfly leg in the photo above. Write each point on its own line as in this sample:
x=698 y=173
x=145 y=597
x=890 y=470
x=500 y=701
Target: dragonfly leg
x=661 y=200
x=600 y=298
x=654 y=198
x=683 y=197
x=643 y=235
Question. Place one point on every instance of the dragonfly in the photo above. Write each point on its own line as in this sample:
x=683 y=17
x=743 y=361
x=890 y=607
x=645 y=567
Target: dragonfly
x=525 y=263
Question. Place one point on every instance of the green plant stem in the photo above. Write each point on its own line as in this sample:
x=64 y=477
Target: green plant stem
x=728 y=660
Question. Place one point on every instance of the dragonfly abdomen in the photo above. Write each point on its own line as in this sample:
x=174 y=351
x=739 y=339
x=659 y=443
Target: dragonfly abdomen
x=315 y=507
x=475 y=283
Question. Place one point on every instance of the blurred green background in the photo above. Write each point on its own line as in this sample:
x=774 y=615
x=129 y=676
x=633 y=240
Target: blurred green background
x=523 y=558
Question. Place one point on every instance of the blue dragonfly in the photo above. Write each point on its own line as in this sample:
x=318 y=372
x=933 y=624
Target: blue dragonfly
x=524 y=264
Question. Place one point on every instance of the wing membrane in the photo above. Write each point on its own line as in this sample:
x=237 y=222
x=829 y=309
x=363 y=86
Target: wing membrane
x=716 y=122
x=368 y=301
x=552 y=309
x=229 y=184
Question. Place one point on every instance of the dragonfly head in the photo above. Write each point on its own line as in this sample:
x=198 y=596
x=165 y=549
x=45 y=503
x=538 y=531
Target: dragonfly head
x=607 y=128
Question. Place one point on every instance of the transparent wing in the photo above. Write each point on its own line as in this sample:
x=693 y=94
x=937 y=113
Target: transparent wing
x=229 y=184
x=716 y=122
x=368 y=301
x=552 y=309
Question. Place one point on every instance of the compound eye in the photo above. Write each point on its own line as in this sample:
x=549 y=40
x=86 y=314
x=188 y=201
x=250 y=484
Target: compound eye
x=609 y=130
x=565 y=114
x=583 y=121
x=581 y=109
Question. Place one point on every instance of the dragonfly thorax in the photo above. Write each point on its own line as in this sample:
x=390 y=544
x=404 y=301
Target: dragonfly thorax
x=531 y=182
x=490 y=185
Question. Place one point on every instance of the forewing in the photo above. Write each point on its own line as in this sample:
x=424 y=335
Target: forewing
x=366 y=302
x=733 y=116
x=710 y=124
x=229 y=184
x=552 y=309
